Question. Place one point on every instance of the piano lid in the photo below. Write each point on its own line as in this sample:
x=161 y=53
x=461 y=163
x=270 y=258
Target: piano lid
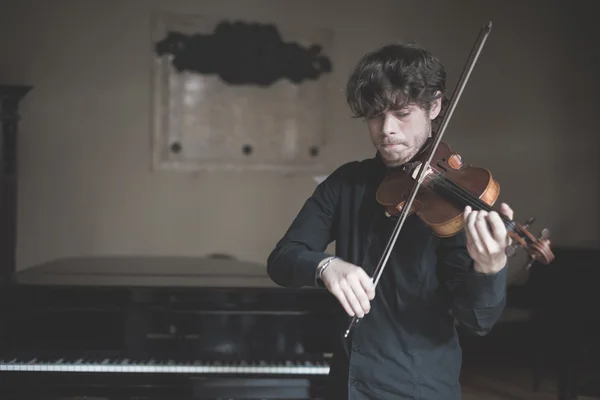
x=148 y=271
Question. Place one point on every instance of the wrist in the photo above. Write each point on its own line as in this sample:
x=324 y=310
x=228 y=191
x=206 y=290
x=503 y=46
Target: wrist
x=323 y=265
x=489 y=269
x=487 y=289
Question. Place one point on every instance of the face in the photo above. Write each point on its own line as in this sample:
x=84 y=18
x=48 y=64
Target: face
x=399 y=135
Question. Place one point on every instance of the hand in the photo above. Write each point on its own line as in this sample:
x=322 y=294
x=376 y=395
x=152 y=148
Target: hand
x=487 y=238
x=350 y=285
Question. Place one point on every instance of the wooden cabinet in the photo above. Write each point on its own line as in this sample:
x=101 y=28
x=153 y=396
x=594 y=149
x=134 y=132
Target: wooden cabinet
x=10 y=97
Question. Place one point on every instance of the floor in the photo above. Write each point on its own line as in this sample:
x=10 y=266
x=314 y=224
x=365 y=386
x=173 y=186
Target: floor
x=501 y=370
x=496 y=381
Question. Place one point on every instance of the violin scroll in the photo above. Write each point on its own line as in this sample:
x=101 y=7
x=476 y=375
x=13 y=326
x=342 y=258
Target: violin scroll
x=538 y=248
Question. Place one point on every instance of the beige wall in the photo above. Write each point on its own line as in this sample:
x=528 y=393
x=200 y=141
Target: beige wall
x=86 y=188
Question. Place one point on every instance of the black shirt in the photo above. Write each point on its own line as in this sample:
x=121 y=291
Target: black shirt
x=407 y=346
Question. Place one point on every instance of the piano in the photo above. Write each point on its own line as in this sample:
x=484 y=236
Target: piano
x=162 y=328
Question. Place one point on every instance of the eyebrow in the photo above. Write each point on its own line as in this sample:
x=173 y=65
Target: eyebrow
x=406 y=107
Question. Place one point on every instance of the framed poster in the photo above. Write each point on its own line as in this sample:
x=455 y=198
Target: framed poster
x=238 y=95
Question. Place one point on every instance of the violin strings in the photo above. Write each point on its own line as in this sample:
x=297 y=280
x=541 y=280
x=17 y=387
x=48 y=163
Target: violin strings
x=466 y=196
x=469 y=198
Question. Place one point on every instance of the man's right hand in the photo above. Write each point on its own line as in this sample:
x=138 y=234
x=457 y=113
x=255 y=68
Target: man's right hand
x=351 y=285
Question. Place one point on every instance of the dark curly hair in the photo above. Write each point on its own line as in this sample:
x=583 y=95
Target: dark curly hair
x=394 y=77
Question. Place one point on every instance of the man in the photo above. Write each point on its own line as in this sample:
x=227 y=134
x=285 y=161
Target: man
x=406 y=345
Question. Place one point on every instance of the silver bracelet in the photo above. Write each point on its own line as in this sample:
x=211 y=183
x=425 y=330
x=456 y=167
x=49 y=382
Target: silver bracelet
x=322 y=269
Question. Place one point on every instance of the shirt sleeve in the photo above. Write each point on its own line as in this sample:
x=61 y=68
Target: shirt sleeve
x=294 y=260
x=477 y=299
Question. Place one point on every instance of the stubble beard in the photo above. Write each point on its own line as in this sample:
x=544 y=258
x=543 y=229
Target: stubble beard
x=396 y=162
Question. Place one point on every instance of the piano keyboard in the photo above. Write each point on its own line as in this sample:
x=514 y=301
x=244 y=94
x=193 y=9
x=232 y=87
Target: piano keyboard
x=166 y=367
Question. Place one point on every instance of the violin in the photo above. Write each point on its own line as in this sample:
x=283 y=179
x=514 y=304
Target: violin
x=437 y=185
x=447 y=187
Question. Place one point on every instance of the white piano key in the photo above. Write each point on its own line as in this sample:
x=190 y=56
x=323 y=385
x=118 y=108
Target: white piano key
x=169 y=367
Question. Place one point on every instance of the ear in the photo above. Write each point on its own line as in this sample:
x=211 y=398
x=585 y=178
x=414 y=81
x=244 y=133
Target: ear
x=436 y=107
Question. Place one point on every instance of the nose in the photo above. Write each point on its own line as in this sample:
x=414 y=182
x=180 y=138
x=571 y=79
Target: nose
x=389 y=127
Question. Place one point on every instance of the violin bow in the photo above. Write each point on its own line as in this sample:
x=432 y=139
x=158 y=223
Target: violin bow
x=478 y=46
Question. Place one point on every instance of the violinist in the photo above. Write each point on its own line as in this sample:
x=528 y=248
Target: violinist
x=406 y=346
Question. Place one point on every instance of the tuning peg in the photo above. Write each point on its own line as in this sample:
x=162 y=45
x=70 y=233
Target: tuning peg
x=545 y=234
x=511 y=250
x=529 y=222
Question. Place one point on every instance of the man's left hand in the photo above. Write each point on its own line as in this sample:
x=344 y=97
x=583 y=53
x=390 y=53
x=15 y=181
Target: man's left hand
x=487 y=238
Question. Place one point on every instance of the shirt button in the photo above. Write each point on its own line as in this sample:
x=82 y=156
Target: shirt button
x=356 y=348
x=354 y=383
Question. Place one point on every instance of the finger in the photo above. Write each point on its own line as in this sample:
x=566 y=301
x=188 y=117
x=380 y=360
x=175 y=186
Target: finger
x=498 y=228
x=352 y=299
x=339 y=294
x=506 y=210
x=488 y=243
x=367 y=284
x=473 y=234
x=360 y=293
x=466 y=213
